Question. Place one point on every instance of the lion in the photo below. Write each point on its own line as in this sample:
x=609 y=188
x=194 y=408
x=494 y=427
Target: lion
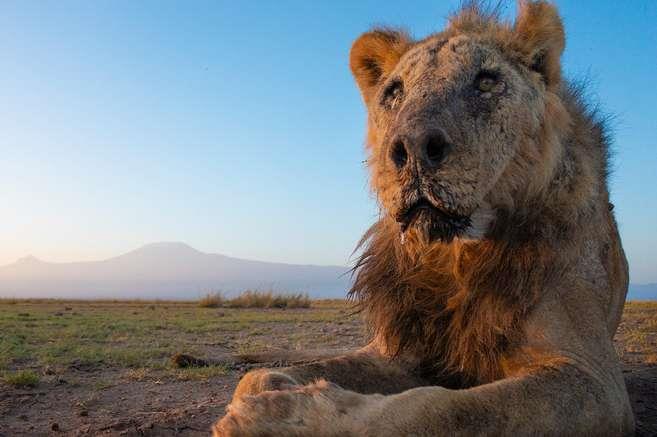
x=495 y=278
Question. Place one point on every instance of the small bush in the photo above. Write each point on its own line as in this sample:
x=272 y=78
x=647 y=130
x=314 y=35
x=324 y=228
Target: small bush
x=211 y=300
x=268 y=299
x=299 y=300
x=251 y=299
x=22 y=378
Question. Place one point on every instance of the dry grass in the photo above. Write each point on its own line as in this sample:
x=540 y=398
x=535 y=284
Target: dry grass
x=256 y=299
x=137 y=374
x=211 y=300
x=637 y=333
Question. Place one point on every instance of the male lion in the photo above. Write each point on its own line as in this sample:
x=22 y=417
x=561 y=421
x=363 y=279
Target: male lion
x=495 y=278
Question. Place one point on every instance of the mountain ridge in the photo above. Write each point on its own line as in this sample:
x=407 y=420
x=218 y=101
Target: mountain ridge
x=166 y=269
x=148 y=247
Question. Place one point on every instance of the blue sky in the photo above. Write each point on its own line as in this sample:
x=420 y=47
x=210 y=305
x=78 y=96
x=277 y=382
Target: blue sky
x=237 y=128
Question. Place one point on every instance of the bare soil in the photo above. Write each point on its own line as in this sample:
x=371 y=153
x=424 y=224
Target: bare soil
x=84 y=398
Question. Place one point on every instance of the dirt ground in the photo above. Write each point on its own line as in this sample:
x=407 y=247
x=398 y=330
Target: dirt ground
x=102 y=395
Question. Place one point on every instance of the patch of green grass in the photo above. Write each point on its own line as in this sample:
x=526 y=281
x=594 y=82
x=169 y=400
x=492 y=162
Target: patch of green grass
x=133 y=334
x=21 y=378
x=200 y=373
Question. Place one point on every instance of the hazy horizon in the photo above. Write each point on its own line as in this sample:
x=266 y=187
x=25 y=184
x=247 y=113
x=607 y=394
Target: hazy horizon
x=153 y=244
x=167 y=270
x=126 y=123
x=182 y=243
x=175 y=270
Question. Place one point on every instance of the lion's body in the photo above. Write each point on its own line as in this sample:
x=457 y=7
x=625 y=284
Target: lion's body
x=506 y=324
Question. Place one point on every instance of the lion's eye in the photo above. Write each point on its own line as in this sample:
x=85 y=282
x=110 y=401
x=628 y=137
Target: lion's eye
x=486 y=81
x=391 y=94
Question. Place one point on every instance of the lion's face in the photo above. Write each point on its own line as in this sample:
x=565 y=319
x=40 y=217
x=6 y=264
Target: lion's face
x=447 y=115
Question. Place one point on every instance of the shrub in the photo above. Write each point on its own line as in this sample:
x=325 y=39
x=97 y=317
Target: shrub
x=300 y=300
x=252 y=299
x=211 y=300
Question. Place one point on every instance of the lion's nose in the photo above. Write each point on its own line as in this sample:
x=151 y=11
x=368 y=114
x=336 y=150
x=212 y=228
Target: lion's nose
x=431 y=149
x=435 y=149
x=399 y=154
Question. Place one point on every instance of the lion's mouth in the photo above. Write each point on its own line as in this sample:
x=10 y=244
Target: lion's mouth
x=435 y=223
x=406 y=217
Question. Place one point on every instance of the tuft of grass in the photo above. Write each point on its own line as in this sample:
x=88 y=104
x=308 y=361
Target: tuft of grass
x=268 y=299
x=252 y=299
x=211 y=300
x=256 y=299
x=22 y=378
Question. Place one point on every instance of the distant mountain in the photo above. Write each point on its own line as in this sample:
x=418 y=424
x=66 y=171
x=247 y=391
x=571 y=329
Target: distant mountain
x=178 y=271
x=166 y=271
x=642 y=292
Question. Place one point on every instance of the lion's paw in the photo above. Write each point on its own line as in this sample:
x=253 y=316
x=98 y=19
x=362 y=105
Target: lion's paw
x=319 y=409
x=262 y=380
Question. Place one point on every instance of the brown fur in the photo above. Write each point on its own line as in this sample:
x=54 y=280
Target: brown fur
x=459 y=307
x=499 y=299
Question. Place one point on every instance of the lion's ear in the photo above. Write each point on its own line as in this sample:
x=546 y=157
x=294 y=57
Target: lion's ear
x=374 y=55
x=540 y=38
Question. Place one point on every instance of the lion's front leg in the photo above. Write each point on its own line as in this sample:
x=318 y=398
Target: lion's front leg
x=561 y=399
x=364 y=371
x=319 y=409
x=556 y=400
